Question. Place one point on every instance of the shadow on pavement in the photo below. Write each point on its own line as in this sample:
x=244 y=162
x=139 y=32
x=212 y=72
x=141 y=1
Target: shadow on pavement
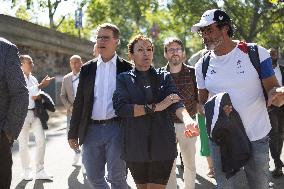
x=39 y=184
x=204 y=183
x=22 y=184
x=73 y=182
x=276 y=183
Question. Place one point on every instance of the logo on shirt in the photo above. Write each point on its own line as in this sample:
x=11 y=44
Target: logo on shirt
x=212 y=72
x=239 y=67
x=239 y=64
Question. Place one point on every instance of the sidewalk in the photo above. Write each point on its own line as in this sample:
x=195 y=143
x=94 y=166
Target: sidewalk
x=59 y=157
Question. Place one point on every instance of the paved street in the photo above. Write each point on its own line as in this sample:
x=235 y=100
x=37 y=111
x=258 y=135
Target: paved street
x=59 y=157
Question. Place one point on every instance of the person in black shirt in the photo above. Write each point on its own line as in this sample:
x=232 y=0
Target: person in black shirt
x=144 y=98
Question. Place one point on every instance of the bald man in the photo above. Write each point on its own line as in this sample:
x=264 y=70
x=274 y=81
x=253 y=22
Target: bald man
x=68 y=93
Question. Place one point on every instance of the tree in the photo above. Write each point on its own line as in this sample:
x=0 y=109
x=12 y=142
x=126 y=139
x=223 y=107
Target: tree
x=184 y=14
x=31 y=10
x=50 y=5
x=256 y=20
x=51 y=11
x=128 y=15
x=253 y=17
x=67 y=26
x=22 y=13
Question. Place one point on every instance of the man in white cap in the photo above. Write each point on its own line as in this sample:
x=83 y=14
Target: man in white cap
x=230 y=70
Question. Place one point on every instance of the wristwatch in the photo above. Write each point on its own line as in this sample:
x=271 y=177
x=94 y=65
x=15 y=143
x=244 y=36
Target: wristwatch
x=149 y=108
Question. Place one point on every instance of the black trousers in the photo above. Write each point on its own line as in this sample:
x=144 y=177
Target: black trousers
x=5 y=162
x=276 y=135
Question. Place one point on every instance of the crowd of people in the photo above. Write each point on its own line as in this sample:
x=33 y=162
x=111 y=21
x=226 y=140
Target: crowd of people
x=129 y=115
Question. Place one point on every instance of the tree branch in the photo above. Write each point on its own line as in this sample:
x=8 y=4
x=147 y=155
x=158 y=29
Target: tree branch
x=55 y=5
x=62 y=19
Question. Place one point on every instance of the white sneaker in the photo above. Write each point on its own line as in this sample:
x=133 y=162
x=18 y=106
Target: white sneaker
x=27 y=174
x=42 y=175
x=76 y=158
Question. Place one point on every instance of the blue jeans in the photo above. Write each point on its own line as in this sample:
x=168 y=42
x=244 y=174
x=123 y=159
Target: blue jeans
x=102 y=146
x=256 y=169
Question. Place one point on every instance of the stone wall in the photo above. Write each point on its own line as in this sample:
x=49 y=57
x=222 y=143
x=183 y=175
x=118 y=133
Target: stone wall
x=49 y=49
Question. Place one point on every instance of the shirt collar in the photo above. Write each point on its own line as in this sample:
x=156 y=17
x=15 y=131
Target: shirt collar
x=75 y=75
x=27 y=77
x=181 y=71
x=133 y=72
x=113 y=60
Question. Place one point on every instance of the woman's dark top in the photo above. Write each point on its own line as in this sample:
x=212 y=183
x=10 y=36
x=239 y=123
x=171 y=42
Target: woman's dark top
x=149 y=137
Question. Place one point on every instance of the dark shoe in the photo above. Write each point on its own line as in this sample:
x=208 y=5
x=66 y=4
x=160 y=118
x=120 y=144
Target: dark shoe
x=277 y=172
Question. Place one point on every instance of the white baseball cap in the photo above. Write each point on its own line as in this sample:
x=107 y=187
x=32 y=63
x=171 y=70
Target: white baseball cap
x=209 y=17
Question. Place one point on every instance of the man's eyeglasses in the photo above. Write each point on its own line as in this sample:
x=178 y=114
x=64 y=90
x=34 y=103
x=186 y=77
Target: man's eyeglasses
x=173 y=50
x=103 y=38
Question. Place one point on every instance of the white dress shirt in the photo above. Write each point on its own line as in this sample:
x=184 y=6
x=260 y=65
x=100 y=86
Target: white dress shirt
x=75 y=82
x=105 y=84
x=278 y=74
x=32 y=85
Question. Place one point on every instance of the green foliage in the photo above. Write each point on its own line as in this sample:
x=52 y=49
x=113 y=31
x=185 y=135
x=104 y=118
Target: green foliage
x=137 y=16
x=22 y=13
x=68 y=26
x=253 y=17
x=128 y=15
x=256 y=20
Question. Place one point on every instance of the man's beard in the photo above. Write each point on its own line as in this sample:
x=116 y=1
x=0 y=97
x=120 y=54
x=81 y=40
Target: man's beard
x=176 y=62
x=211 y=45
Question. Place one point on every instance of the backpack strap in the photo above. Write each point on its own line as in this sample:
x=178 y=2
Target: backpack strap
x=193 y=78
x=205 y=63
x=254 y=58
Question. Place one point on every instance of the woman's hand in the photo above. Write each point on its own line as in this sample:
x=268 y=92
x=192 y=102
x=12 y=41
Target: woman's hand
x=227 y=109
x=169 y=100
x=191 y=129
x=38 y=97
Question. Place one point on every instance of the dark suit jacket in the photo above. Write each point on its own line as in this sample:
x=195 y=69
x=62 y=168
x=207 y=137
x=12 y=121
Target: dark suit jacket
x=14 y=96
x=41 y=107
x=83 y=104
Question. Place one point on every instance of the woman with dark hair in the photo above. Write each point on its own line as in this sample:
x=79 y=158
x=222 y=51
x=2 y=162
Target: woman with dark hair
x=143 y=99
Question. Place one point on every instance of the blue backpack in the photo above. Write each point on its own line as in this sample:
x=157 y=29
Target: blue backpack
x=253 y=56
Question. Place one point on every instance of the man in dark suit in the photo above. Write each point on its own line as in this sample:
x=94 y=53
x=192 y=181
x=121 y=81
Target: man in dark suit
x=13 y=106
x=93 y=120
x=276 y=116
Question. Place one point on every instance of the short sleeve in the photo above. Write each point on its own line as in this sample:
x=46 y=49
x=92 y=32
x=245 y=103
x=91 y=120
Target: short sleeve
x=199 y=76
x=265 y=63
